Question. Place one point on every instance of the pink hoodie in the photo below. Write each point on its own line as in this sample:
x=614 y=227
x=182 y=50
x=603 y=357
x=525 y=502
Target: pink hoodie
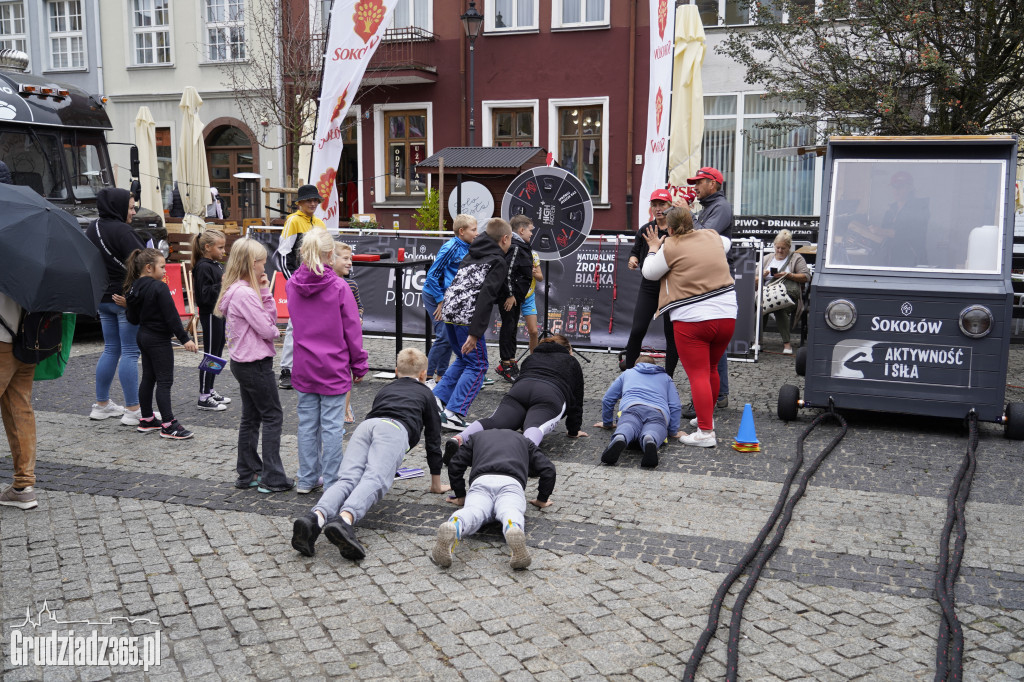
x=251 y=323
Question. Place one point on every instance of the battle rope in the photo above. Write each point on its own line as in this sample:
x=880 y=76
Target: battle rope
x=949 y=654
x=756 y=548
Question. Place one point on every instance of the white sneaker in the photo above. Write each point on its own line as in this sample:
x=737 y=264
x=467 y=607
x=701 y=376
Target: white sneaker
x=700 y=439
x=430 y=383
x=111 y=409
x=693 y=423
x=450 y=421
x=132 y=417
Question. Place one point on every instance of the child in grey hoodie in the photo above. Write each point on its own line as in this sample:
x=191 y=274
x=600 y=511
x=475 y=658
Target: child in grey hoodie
x=649 y=411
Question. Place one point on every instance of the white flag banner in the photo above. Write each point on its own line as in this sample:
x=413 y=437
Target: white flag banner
x=659 y=96
x=355 y=31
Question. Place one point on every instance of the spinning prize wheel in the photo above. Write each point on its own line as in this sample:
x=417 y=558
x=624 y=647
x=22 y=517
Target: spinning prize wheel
x=559 y=205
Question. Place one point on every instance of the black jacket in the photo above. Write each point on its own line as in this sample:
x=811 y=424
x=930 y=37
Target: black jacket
x=476 y=287
x=113 y=237
x=151 y=307
x=412 y=404
x=502 y=452
x=553 y=364
x=641 y=249
x=206 y=276
x=716 y=214
x=519 y=260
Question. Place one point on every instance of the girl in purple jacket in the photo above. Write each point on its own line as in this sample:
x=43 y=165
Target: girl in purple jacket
x=251 y=321
x=328 y=354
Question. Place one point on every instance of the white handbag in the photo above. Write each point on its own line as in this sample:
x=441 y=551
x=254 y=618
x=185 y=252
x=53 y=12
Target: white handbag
x=775 y=297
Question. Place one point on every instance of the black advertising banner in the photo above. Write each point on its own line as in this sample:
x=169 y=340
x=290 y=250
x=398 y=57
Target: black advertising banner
x=909 y=362
x=591 y=296
x=804 y=228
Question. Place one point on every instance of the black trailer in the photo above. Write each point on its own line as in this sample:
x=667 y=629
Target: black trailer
x=52 y=137
x=911 y=298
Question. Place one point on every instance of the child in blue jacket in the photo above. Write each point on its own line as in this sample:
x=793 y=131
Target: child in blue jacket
x=649 y=411
x=439 y=278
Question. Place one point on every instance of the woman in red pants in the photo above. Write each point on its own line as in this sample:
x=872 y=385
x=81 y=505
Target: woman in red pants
x=697 y=292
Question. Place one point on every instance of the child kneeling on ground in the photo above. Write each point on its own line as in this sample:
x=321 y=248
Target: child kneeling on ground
x=391 y=428
x=649 y=411
x=502 y=460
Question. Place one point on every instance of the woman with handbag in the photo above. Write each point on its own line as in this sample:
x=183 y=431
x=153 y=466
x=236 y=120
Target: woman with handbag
x=784 y=271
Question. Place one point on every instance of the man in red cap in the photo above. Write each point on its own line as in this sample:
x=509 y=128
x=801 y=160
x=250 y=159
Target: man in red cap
x=647 y=297
x=715 y=214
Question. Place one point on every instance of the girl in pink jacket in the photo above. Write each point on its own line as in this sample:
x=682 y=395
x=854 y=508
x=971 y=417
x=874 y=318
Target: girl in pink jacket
x=251 y=320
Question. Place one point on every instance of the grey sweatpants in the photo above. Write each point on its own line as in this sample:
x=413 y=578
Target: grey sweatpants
x=287 y=347
x=368 y=468
x=492 y=497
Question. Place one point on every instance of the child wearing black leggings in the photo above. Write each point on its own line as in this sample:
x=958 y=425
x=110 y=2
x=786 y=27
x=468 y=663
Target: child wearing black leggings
x=149 y=305
x=207 y=253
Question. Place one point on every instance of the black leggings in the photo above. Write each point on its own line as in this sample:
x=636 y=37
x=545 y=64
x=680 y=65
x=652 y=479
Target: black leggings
x=157 y=370
x=643 y=314
x=507 y=333
x=213 y=343
x=529 y=403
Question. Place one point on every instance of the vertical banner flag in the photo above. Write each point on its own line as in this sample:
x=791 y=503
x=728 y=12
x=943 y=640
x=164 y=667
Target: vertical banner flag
x=659 y=100
x=355 y=31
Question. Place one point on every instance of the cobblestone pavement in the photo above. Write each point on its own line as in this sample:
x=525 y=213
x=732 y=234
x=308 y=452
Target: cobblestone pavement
x=625 y=561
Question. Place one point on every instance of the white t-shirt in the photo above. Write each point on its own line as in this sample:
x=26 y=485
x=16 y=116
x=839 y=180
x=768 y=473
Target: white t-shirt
x=11 y=312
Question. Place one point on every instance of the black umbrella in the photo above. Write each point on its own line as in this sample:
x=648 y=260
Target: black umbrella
x=46 y=262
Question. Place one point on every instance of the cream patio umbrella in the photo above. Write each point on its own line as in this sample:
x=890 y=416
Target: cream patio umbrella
x=687 y=96
x=145 y=140
x=193 y=175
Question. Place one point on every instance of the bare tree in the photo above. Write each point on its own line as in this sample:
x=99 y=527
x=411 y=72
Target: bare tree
x=279 y=83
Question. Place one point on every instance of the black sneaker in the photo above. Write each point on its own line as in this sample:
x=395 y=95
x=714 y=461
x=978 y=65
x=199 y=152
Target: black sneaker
x=451 y=446
x=723 y=401
x=611 y=453
x=343 y=536
x=305 y=531
x=285 y=382
x=175 y=431
x=283 y=488
x=453 y=422
x=505 y=372
x=211 y=404
x=689 y=412
x=650 y=458
x=147 y=425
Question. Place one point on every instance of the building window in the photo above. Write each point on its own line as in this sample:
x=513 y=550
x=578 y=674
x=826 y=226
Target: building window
x=579 y=13
x=12 y=26
x=151 y=22
x=580 y=144
x=755 y=183
x=225 y=30
x=412 y=14
x=406 y=146
x=67 y=41
x=737 y=12
x=512 y=127
x=511 y=15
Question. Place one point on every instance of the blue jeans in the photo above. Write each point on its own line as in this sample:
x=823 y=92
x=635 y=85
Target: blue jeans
x=464 y=379
x=440 y=351
x=321 y=428
x=639 y=422
x=120 y=354
x=723 y=375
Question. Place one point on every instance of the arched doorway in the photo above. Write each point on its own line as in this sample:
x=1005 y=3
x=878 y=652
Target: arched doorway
x=229 y=151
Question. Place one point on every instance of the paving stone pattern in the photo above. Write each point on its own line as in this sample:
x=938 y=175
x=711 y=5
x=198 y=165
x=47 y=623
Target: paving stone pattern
x=625 y=561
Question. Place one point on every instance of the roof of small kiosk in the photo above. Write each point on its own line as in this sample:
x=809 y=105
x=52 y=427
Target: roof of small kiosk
x=484 y=157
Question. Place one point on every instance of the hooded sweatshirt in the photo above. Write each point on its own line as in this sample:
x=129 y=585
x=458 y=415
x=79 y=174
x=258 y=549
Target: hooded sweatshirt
x=553 y=364
x=150 y=306
x=327 y=334
x=113 y=237
x=644 y=384
x=476 y=287
x=504 y=453
x=251 y=321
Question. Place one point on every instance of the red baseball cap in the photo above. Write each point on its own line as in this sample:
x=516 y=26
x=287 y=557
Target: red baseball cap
x=661 y=195
x=706 y=172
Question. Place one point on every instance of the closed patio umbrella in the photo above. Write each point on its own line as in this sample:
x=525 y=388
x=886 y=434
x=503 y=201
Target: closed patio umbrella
x=193 y=174
x=687 y=96
x=145 y=140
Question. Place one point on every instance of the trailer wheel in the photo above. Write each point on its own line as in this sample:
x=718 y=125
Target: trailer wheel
x=801 y=361
x=1014 y=427
x=789 y=398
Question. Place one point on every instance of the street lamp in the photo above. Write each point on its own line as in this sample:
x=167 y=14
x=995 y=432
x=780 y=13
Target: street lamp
x=472 y=21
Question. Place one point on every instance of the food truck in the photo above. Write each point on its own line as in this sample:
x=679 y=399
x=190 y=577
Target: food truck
x=911 y=298
x=52 y=138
